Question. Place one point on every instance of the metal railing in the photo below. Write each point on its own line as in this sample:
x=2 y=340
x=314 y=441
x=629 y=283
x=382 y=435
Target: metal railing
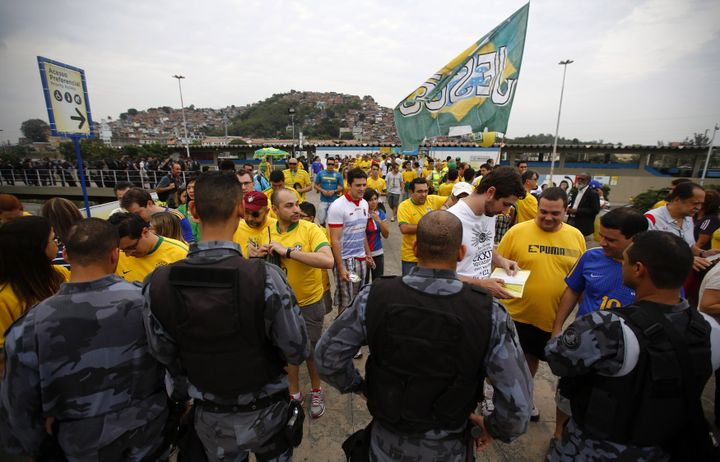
x=70 y=178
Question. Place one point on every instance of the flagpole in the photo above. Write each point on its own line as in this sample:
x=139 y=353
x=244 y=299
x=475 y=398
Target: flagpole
x=557 y=126
x=707 y=159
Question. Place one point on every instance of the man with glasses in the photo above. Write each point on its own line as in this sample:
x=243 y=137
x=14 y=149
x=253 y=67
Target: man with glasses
x=329 y=184
x=141 y=249
x=676 y=217
x=246 y=181
x=139 y=201
x=409 y=214
x=295 y=176
x=253 y=231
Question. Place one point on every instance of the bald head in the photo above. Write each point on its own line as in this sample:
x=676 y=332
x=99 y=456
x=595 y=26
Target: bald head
x=439 y=237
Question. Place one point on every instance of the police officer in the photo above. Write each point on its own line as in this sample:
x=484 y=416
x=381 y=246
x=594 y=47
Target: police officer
x=79 y=363
x=432 y=342
x=634 y=374
x=230 y=325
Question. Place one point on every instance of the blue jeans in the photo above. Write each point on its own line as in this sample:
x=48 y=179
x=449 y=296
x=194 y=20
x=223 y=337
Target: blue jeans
x=407 y=266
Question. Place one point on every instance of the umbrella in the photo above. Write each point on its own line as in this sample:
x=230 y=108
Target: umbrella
x=271 y=152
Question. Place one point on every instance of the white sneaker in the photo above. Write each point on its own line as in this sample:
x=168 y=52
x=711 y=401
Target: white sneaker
x=317 y=406
x=298 y=397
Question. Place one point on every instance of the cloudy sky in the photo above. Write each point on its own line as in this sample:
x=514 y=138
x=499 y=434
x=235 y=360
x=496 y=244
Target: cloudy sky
x=644 y=70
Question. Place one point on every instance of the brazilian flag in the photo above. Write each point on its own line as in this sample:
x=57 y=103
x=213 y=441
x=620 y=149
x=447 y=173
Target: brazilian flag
x=473 y=93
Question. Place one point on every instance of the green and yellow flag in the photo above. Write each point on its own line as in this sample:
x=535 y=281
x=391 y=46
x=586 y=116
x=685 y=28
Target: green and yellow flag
x=472 y=93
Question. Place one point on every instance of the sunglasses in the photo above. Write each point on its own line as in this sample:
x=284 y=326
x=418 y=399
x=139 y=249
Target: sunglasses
x=255 y=214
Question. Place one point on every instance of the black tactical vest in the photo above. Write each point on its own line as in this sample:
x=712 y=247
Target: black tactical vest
x=214 y=310
x=427 y=355
x=646 y=407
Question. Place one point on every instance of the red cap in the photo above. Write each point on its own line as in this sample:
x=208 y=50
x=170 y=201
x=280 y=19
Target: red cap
x=254 y=201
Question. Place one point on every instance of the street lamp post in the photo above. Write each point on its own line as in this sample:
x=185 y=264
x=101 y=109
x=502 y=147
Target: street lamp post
x=557 y=126
x=707 y=159
x=291 y=111
x=182 y=109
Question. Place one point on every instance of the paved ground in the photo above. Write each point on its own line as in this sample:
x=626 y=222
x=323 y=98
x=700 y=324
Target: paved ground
x=346 y=414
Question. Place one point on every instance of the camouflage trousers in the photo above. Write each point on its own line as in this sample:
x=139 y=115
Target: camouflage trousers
x=574 y=446
x=386 y=445
x=231 y=437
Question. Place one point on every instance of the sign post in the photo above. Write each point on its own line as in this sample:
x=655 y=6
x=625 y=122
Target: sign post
x=68 y=106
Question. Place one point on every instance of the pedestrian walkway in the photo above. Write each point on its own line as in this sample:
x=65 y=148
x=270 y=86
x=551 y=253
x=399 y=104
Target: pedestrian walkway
x=348 y=413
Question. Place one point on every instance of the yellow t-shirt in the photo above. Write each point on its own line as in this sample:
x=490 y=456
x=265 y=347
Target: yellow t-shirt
x=549 y=257
x=659 y=204
x=526 y=208
x=408 y=176
x=445 y=189
x=410 y=214
x=166 y=251
x=378 y=185
x=301 y=176
x=715 y=241
x=305 y=281
x=325 y=272
x=11 y=308
x=245 y=236
x=268 y=193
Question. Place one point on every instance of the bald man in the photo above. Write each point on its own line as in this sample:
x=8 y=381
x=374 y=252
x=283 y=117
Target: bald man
x=406 y=322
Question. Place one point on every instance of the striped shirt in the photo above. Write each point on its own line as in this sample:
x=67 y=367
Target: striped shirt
x=352 y=216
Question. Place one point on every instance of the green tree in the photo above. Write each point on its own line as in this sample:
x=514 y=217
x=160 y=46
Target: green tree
x=36 y=130
x=132 y=111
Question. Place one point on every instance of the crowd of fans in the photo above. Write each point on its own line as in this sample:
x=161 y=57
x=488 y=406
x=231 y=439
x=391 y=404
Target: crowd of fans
x=576 y=252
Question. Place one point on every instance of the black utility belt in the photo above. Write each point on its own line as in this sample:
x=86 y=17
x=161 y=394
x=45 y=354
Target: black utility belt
x=260 y=403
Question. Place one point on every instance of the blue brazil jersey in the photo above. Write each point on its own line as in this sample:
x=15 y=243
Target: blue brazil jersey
x=600 y=280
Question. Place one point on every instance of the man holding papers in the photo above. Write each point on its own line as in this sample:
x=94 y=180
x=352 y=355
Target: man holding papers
x=497 y=191
x=548 y=248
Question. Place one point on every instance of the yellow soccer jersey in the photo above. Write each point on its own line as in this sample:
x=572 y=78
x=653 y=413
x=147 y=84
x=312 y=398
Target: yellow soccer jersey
x=166 y=251
x=300 y=177
x=410 y=213
x=526 y=208
x=378 y=185
x=445 y=189
x=549 y=257
x=246 y=237
x=305 y=281
x=268 y=193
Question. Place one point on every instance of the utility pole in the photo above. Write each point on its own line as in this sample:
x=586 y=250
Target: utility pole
x=182 y=109
x=557 y=126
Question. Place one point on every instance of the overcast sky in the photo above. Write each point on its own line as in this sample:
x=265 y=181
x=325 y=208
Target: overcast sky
x=644 y=70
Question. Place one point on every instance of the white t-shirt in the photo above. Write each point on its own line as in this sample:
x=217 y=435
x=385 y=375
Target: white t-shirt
x=352 y=217
x=394 y=182
x=478 y=239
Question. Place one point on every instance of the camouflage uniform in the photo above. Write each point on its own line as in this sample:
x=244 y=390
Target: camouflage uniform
x=505 y=367
x=81 y=357
x=600 y=342
x=232 y=436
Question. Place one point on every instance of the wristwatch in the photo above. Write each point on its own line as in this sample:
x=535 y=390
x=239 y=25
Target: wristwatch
x=287 y=252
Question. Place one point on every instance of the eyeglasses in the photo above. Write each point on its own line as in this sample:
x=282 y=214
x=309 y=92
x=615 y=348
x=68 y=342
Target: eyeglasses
x=255 y=214
x=292 y=163
x=132 y=248
x=246 y=183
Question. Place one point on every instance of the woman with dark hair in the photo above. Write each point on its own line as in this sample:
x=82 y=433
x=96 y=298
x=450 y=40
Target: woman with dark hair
x=376 y=228
x=27 y=275
x=181 y=197
x=185 y=209
x=706 y=220
x=63 y=214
